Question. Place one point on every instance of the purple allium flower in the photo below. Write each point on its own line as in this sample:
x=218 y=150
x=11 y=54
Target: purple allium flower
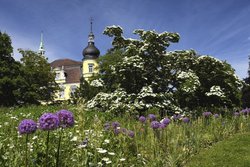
x=107 y=126
x=185 y=120
x=27 y=126
x=66 y=118
x=131 y=133
x=236 y=114
x=48 y=121
x=162 y=125
x=142 y=119
x=124 y=130
x=244 y=112
x=115 y=124
x=176 y=117
x=166 y=121
x=117 y=131
x=152 y=117
x=216 y=115
x=207 y=114
x=84 y=143
x=155 y=124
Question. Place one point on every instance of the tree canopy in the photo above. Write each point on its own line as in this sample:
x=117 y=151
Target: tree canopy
x=38 y=84
x=9 y=72
x=139 y=74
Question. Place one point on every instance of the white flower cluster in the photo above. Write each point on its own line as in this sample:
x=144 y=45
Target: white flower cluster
x=211 y=58
x=109 y=101
x=135 y=61
x=215 y=91
x=146 y=91
x=190 y=81
x=97 y=83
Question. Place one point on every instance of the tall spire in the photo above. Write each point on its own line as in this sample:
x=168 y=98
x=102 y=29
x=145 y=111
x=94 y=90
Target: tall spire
x=41 y=49
x=91 y=24
x=91 y=35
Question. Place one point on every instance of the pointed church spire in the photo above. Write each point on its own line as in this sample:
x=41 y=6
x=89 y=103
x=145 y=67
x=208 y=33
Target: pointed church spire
x=91 y=35
x=41 y=49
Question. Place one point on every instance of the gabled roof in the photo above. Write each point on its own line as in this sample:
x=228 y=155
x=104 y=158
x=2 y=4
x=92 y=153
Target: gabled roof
x=71 y=68
x=65 y=62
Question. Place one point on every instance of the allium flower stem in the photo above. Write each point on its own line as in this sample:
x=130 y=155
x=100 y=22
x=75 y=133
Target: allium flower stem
x=58 y=148
x=26 y=150
x=47 y=150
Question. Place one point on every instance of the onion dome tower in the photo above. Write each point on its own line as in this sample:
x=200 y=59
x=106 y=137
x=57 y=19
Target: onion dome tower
x=90 y=55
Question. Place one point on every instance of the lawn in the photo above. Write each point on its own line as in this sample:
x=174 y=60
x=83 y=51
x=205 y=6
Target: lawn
x=233 y=152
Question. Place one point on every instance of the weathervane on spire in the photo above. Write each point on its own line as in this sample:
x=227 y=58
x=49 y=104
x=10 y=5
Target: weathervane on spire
x=91 y=24
x=91 y=35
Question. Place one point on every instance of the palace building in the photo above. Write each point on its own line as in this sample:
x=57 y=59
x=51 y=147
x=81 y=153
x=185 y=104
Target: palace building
x=69 y=72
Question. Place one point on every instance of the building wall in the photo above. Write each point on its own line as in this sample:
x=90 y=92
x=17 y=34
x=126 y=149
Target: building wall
x=85 y=68
x=66 y=90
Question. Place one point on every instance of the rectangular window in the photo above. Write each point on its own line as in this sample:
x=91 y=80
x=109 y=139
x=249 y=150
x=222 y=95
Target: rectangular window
x=73 y=89
x=57 y=75
x=61 y=93
x=91 y=68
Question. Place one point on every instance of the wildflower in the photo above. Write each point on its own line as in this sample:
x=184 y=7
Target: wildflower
x=216 y=115
x=105 y=159
x=66 y=118
x=185 y=120
x=106 y=141
x=124 y=130
x=108 y=162
x=35 y=137
x=122 y=159
x=207 y=114
x=48 y=121
x=106 y=126
x=166 y=121
x=111 y=153
x=115 y=124
x=117 y=131
x=131 y=133
x=83 y=144
x=152 y=117
x=142 y=119
x=155 y=124
x=100 y=150
x=162 y=125
x=74 y=138
x=175 y=117
x=245 y=111
x=27 y=126
x=236 y=114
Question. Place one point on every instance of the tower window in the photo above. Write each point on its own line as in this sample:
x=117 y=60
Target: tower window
x=91 y=67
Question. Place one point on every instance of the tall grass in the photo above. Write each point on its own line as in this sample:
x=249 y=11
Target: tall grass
x=89 y=144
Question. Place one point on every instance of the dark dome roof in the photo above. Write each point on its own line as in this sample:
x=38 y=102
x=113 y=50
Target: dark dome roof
x=90 y=52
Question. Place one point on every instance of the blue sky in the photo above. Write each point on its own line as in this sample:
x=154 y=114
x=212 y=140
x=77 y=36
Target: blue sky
x=220 y=28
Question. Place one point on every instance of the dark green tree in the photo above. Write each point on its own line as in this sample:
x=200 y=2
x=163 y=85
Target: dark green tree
x=246 y=92
x=9 y=72
x=38 y=83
